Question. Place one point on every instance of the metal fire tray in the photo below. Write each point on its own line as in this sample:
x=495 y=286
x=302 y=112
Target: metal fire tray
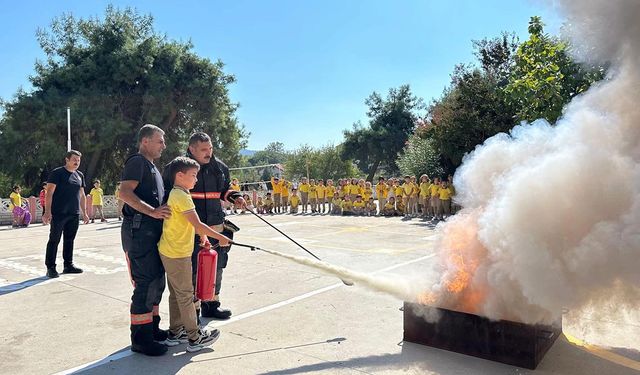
x=513 y=343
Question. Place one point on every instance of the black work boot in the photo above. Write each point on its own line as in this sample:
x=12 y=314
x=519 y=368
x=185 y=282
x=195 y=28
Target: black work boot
x=142 y=340
x=52 y=273
x=70 y=268
x=159 y=335
x=212 y=309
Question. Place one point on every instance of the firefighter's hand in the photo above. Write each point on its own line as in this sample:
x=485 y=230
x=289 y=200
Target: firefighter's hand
x=46 y=218
x=224 y=241
x=161 y=212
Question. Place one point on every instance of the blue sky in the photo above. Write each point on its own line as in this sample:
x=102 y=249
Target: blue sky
x=303 y=68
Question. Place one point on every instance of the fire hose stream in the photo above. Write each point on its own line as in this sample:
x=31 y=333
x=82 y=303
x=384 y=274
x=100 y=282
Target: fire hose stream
x=377 y=283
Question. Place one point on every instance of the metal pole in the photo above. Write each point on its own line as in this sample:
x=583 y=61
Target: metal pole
x=68 y=129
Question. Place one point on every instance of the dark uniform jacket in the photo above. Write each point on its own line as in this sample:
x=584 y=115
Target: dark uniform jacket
x=212 y=187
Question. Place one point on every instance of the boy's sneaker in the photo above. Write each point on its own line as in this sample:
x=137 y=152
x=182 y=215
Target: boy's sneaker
x=206 y=338
x=180 y=338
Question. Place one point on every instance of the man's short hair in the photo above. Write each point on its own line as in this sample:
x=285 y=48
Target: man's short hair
x=71 y=153
x=147 y=131
x=180 y=164
x=199 y=137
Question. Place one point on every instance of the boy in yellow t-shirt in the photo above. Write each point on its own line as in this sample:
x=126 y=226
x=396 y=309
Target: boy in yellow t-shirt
x=358 y=205
x=435 y=197
x=286 y=185
x=295 y=201
x=321 y=191
x=407 y=190
x=176 y=248
x=268 y=204
x=347 y=206
x=328 y=195
x=445 y=200
x=313 y=195
x=15 y=201
x=381 y=193
x=337 y=204
x=389 y=207
x=97 y=201
x=304 y=193
x=370 y=207
x=424 y=194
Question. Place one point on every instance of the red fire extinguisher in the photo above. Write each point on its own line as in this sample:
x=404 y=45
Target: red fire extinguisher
x=206 y=274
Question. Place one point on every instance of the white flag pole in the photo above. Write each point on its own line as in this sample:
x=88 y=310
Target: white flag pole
x=68 y=129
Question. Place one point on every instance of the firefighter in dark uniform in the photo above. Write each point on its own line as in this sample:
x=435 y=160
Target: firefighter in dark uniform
x=142 y=191
x=210 y=190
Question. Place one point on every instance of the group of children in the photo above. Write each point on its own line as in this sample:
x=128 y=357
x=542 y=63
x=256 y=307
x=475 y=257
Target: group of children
x=395 y=197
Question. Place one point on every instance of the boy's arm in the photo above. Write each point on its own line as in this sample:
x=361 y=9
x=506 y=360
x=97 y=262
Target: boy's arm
x=203 y=230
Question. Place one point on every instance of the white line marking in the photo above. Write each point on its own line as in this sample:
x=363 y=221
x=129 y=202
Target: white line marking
x=127 y=353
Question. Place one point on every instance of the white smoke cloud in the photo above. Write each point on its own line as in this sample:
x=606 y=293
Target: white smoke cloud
x=556 y=209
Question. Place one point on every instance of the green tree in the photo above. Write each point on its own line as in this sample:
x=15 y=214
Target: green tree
x=391 y=122
x=324 y=162
x=420 y=157
x=272 y=154
x=116 y=74
x=545 y=77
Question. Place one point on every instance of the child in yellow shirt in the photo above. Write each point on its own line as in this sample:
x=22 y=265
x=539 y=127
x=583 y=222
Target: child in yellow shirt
x=97 y=201
x=268 y=204
x=347 y=206
x=424 y=194
x=329 y=192
x=313 y=195
x=381 y=193
x=304 y=188
x=445 y=200
x=435 y=197
x=294 y=201
x=176 y=249
x=320 y=191
x=358 y=205
x=337 y=204
x=370 y=207
x=389 y=207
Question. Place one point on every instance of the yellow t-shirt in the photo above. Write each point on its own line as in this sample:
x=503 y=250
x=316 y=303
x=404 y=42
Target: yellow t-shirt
x=235 y=187
x=284 y=189
x=96 y=196
x=329 y=191
x=416 y=189
x=343 y=190
x=337 y=202
x=382 y=190
x=398 y=190
x=277 y=187
x=407 y=189
x=434 y=190
x=346 y=205
x=445 y=194
x=355 y=189
x=357 y=204
x=388 y=206
x=177 y=232
x=16 y=200
x=268 y=202
x=320 y=190
x=294 y=200
x=304 y=188
x=424 y=189
x=366 y=194
x=453 y=189
x=313 y=191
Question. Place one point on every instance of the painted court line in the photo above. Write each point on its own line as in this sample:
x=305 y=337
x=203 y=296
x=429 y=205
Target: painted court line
x=127 y=353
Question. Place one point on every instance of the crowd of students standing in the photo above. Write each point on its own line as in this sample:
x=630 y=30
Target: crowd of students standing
x=408 y=197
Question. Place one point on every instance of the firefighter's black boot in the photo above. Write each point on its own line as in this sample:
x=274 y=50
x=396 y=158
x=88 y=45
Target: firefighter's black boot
x=212 y=309
x=159 y=335
x=142 y=340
